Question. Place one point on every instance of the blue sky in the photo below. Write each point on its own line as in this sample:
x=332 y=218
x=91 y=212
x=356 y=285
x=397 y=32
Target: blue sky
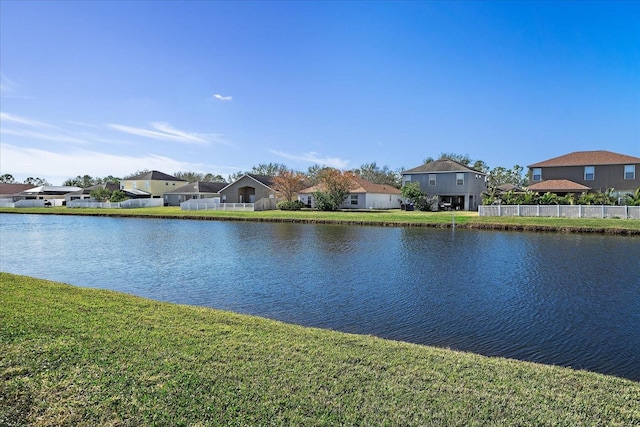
x=109 y=88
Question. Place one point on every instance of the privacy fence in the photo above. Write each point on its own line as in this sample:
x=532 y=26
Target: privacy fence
x=215 y=205
x=127 y=204
x=558 y=211
x=211 y=205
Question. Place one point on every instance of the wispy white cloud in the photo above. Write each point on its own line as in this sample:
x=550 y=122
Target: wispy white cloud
x=57 y=167
x=9 y=88
x=222 y=98
x=29 y=128
x=12 y=118
x=6 y=84
x=56 y=137
x=163 y=131
x=313 y=157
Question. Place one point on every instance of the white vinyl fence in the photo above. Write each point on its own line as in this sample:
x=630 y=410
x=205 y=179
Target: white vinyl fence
x=127 y=204
x=558 y=211
x=214 y=205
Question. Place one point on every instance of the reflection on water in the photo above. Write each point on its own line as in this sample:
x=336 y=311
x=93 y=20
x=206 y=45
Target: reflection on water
x=571 y=300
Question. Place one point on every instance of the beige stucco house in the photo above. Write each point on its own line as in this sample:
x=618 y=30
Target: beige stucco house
x=154 y=183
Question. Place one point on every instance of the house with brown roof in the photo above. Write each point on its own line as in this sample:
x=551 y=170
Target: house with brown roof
x=362 y=195
x=10 y=190
x=580 y=171
x=456 y=185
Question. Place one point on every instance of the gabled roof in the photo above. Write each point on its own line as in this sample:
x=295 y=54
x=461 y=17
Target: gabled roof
x=558 y=185
x=111 y=186
x=262 y=179
x=587 y=158
x=153 y=176
x=509 y=187
x=360 y=186
x=10 y=188
x=265 y=180
x=442 y=165
x=199 y=187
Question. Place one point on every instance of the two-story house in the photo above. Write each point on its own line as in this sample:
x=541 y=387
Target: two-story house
x=153 y=183
x=456 y=185
x=596 y=171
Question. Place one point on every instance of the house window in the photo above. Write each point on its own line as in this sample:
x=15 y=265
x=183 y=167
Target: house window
x=432 y=179
x=537 y=174
x=629 y=171
x=354 y=199
x=459 y=178
x=589 y=173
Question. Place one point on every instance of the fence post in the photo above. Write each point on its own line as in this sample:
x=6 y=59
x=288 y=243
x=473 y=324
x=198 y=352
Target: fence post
x=603 y=212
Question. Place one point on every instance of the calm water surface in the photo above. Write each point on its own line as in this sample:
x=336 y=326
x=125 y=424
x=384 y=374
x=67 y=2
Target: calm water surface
x=571 y=300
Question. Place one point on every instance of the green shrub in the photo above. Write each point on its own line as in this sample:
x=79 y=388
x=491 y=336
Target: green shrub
x=290 y=205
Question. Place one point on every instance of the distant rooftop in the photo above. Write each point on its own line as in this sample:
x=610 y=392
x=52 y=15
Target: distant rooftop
x=558 y=185
x=153 y=176
x=442 y=165
x=587 y=158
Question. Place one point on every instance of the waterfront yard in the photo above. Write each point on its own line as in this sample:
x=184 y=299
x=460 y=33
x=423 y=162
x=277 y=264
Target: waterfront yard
x=76 y=356
x=369 y=217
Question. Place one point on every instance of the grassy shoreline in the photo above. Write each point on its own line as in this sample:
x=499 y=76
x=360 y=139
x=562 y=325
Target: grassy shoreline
x=78 y=356
x=393 y=218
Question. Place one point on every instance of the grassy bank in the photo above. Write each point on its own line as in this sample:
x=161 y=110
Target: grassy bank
x=387 y=218
x=74 y=356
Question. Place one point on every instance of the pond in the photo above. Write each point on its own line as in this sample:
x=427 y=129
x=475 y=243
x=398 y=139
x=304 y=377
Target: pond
x=570 y=300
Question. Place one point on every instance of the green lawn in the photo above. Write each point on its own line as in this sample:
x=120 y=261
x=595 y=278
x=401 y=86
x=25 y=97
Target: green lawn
x=374 y=217
x=75 y=356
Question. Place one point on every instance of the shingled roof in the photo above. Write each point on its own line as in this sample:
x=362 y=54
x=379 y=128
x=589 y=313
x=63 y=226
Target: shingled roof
x=199 y=187
x=13 y=188
x=359 y=186
x=263 y=179
x=153 y=176
x=442 y=165
x=558 y=185
x=588 y=158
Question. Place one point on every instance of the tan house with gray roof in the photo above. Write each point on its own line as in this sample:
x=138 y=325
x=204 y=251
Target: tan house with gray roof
x=153 y=183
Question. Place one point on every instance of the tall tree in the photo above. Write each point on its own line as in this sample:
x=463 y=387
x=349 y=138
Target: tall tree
x=288 y=183
x=269 y=169
x=336 y=186
x=213 y=178
x=189 y=176
x=314 y=173
x=501 y=175
x=460 y=158
x=379 y=175
x=136 y=173
x=7 y=179
x=36 y=181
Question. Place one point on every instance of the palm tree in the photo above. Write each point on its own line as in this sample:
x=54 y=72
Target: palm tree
x=633 y=199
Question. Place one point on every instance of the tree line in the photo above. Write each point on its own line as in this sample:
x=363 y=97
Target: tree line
x=333 y=185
